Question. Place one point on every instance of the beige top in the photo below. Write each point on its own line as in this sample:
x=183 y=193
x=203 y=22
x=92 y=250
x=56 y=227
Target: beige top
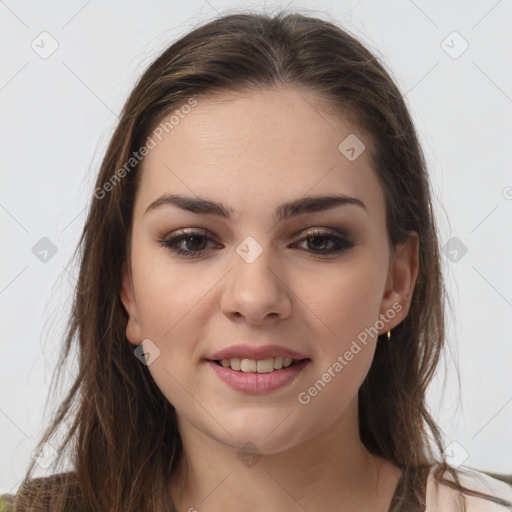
x=442 y=498
x=439 y=497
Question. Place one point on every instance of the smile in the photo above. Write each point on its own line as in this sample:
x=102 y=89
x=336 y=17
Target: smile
x=258 y=376
x=257 y=365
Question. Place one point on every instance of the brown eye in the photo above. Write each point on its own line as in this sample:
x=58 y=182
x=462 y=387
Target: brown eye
x=319 y=242
x=190 y=243
x=193 y=243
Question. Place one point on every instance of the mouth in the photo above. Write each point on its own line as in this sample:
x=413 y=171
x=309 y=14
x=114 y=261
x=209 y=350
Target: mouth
x=258 y=376
x=269 y=365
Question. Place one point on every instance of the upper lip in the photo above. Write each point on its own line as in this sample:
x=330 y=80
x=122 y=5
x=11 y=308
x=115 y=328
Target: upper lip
x=253 y=352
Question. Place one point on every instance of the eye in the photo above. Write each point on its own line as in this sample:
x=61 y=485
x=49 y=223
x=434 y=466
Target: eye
x=193 y=243
x=318 y=242
x=193 y=240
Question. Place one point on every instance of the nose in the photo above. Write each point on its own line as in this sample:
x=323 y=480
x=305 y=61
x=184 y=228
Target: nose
x=256 y=290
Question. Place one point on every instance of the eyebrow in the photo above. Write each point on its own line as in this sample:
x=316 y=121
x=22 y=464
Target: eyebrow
x=308 y=204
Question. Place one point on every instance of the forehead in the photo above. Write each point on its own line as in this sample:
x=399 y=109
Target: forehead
x=258 y=145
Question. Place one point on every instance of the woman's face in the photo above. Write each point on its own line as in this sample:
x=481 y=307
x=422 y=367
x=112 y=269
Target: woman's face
x=314 y=281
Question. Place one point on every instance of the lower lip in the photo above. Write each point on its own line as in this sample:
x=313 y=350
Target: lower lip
x=258 y=383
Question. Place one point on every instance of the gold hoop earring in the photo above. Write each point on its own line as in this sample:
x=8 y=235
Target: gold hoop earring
x=389 y=335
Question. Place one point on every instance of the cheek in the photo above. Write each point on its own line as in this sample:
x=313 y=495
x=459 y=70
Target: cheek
x=167 y=291
x=348 y=303
x=345 y=299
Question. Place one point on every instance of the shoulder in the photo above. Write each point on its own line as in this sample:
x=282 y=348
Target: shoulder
x=6 y=501
x=45 y=490
x=441 y=497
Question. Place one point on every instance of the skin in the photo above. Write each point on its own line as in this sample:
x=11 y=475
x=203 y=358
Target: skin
x=253 y=151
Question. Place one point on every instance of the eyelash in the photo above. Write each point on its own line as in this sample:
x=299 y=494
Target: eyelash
x=172 y=243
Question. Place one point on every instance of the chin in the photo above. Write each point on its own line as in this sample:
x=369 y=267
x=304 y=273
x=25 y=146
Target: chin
x=275 y=434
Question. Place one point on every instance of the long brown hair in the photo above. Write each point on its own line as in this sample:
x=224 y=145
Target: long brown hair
x=121 y=432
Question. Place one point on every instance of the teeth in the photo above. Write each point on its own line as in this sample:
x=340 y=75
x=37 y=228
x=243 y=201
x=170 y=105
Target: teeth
x=257 y=366
x=265 y=365
x=249 y=365
x=278 y=362
x=235 y=363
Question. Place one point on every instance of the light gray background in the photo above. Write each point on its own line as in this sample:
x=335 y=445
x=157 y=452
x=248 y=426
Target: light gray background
x=57 y=114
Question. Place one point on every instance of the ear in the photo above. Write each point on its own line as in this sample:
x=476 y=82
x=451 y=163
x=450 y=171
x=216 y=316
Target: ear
x=133 y=330
x=401 y=281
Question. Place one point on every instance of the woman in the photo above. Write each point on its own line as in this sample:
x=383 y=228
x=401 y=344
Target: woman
x=259 y=309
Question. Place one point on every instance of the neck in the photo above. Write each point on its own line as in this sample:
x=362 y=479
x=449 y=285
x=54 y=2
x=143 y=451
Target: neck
x=330 y=469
